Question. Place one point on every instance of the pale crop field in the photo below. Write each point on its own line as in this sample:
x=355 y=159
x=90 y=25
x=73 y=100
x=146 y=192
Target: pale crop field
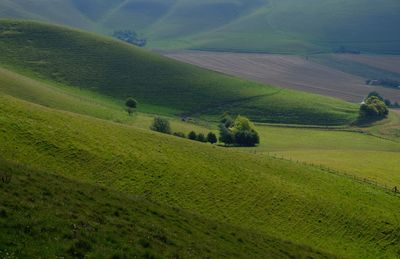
x=296 y=72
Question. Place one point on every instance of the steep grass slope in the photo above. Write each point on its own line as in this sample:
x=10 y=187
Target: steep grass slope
x=119 y=70
x=351 y=152
x=287 y=201
x=86 y=103
x=45 y=215
x=281 y=26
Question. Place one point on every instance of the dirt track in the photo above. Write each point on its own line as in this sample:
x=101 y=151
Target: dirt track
x=287 y=71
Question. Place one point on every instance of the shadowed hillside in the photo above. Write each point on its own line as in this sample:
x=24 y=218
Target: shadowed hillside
x=279 y=26
x=119 y=70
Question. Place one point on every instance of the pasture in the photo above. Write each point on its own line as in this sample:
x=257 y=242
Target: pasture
x=79 y=177
x=351 y=151
x=257 y=193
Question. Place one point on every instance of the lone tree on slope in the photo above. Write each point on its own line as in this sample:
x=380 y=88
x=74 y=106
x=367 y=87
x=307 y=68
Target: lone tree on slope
x=131 y=105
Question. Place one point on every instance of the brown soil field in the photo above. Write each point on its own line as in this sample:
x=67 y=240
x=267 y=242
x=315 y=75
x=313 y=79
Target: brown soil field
x=290 y=71
x=385 y=62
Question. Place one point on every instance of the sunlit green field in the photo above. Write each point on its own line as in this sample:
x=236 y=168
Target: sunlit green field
x=355 y=153
x=89 y=180
x=276 y=198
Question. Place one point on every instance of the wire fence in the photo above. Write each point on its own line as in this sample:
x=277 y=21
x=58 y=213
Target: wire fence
x=389 y=189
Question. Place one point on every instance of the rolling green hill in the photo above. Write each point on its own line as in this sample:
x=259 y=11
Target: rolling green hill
x=102 y=65
x=285 y=205
x=100 y=222
x=279 y=26
x=88 y=180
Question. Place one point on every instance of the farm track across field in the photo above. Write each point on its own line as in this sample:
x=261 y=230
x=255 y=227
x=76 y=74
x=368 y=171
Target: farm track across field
x=294 y=72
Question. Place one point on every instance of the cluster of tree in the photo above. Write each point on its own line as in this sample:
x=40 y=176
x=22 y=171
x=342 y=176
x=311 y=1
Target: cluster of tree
x=238 y=132
x=162 y=125
x=129 y=37
x=373 y=107
x=384 y=82
x=210 y=138
x=388 y=102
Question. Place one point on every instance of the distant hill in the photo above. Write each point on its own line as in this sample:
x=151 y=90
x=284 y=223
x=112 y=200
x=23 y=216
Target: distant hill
x=161 y=85
x=279 y=26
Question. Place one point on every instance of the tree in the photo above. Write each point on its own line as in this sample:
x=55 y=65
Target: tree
x=201 y=137
x=131 y=105
x=376 y=94
x=212 y=138
x=161 y=125
x=227 y=120
x=373 y=108
x=192 y=135
x=242 y=133
x=245 y=133
x=225 y=135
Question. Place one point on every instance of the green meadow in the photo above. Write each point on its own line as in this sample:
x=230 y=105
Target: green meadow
x=351 y=151
x=256 y=192
x=88 y=180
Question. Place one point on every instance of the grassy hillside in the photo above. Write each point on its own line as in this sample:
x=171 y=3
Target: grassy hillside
x=86 y=102
x=287 y=201
x=99 y=222
x=108 y=67
x=312 y=26
x=279 y=26
x=351 y=152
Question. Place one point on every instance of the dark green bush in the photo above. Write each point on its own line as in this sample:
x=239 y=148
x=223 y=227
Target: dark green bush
x=201 y=137
x=373 y=108
x=192 y=135
x=212 y=138
x=225 y=135
x=161 y=125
